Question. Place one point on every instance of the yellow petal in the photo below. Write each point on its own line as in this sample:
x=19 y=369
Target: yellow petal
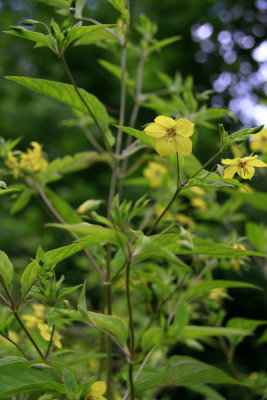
x=247 y=172
x=183 y=145
x=256 y=163
x=230 y=171
x=98 y=388
x=165 y=146
x=184 y=127
x=231 y=161
x=155 y=130
x=165 y=122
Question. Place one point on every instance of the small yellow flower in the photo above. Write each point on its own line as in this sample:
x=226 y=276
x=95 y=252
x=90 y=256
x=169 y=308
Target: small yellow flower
x=216 y=294
x=159 y=210
x=197 y=190
x=13 y=164
x=197 y=202
x=97 y=389
x=235 y=260
x=154 y=173
x=243 y=166
x=173 y=136
x=45 y=332
x=259 y=141
x=184 y=220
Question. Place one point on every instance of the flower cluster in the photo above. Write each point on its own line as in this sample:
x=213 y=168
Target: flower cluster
x=32 y=161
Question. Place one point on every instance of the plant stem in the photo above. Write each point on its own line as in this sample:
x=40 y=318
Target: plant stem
x=72 y=81
x=29 y=336
x=73 y=234
x=131 y=329
x=164 y=211
x=91 y=139
x=50 y=342
x=121 y=122
x=108 y=288
x=17 y=346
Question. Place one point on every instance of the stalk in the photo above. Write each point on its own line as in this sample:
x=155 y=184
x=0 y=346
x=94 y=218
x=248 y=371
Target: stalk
x=131 y=329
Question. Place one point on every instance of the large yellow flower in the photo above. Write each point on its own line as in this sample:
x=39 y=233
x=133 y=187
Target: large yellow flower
x=97 y=389
x=259 y=141
x=173 y=136
x=243 y=166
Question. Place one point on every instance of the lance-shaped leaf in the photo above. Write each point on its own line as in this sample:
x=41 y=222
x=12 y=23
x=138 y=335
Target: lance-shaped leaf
x=65 y=93
x=162 y=43
x=18 y=376
x=183 y=371
x=37 y=37
x=142 y=136
x=94 y=234
x=6 y=269
x=29 y=276
x=62 y=207
x=205 y=287
x=80 y=33
x=198 y=332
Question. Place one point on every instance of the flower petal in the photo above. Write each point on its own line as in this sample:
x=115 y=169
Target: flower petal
x=247 y=172
x=184 y=127
x=165 y=145
x=165 y=122
x=230 y=161
x=98 y=388
x=230 y=171
x=155 y=130
x=183 y=145
x=256 y=163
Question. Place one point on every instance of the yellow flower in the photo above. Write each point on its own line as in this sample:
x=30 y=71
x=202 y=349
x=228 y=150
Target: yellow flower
x=13 y=164
x=197 y=202
x=154 y=173
x=216 y=294
x=45 y=332
x=97 y=389
x=184 y=220
x=159 y=210
x=173 y=136
x=259 y=142
x=235 y=260
x=243 y=166
x=197 y=190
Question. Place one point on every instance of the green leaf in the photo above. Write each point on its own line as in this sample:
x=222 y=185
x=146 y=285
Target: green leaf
x=6 y=269
x=120 y=5
x=204 y=287
x=256 y=235
x=115 y=326
x=62 y=207
x=63 y=292
x=29 y=276
x=142 y=136
x=78 y=33
x=197 y=332
x=95 y=234
x=57 y=3
x=162 y=43
x=182 y=371
x=70 y=384
x=245 y=323
x=151 y=337
x=82 y=300
x=115 y=70
x=93 y=37
x=66 y=94
x=207 y=391
x=8 y=191
x=18 y=376
x=22 y=201
x=37 y=37
x=211 y=114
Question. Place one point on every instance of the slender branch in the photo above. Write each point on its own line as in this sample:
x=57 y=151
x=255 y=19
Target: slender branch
x=29 y=336
x=17 y=346
x=3 y=283
x=91 y=139
x=164 y=211
x=72 y=81
x=94 y=21
x=73 y=234
x=108 y=288
x=121 y=122
x=50 y=342
x=131 y=329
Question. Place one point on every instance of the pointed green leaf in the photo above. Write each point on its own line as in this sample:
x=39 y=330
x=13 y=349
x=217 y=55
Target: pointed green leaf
x=62 y=207
x=256 y=235
x=198 y=332
x=204 y=287
x=162 y=43
x=29 y=277
x=120 y=5
x=151 y=337
x=37 y=37
x=82 y=300
x=93 y=37
x=142 y=136
x=22 y=201
x=6 y=269
x=70 y=384
x=66 y=94
x=80 y=33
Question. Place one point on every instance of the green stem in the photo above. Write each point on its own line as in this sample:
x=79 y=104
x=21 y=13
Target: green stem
x=72 y=81
x=121 y=122
x=29 y=336
x=131 y=329
x=17 y=346
x=50 y=342
x=73 y=234
x=164 y=211
x=109 y=312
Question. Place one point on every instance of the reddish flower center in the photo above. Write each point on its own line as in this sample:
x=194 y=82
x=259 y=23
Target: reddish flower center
x=242 y=165
x=171 y=132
